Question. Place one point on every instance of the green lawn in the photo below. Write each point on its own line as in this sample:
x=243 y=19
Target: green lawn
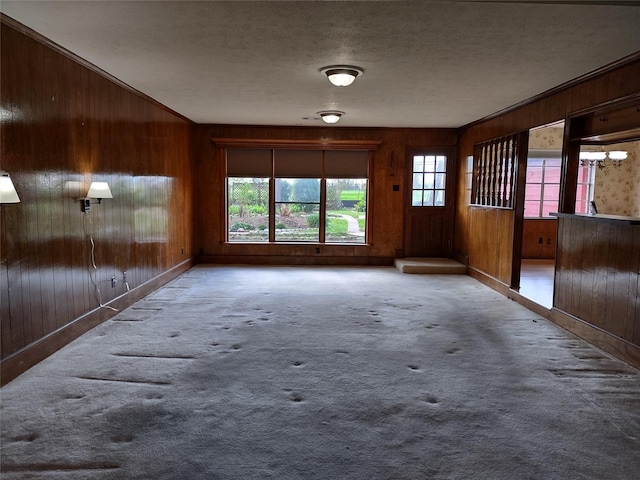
x=352 y=195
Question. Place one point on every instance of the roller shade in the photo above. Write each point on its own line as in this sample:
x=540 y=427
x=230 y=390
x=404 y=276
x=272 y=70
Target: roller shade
x=298 y=163
x=346 y=164
x=249 y=162
x=257 y=162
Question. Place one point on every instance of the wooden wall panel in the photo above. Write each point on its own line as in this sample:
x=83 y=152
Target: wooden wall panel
x=63 y=126
x=386 y=207
x=597 y=273
x=533 y=231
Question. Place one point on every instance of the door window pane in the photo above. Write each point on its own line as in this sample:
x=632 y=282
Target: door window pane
x=429 y=180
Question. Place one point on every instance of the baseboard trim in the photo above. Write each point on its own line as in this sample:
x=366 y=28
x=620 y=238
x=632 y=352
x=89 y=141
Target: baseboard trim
x=605 y=341
x=297 y=260
x=488 y=280
x=25 y=358
x=616 y=346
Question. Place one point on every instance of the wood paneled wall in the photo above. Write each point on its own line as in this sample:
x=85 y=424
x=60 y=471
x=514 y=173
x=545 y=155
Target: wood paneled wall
x=64 y=125
x=386 y=204
x=490 y=256
x=539 y=238
x=486 y=236
x=598 y=278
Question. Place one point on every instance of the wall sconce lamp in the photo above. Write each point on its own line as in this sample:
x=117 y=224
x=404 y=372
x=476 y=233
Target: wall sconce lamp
x=330 y=116
x=342 y=75
x=8 y=192
x=97 y=190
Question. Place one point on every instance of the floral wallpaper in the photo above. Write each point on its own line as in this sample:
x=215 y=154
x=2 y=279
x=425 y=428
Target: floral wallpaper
x=546 y=138
x=617 y=189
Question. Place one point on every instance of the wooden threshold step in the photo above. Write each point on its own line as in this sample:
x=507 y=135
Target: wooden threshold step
x=430 y=265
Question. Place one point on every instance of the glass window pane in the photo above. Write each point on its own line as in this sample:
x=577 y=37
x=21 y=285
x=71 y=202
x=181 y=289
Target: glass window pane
x=441 y=163
x=346 y=205
x=418 y=181
x=428 y=198
x=248 y=209
x=533 y=191
x=534 y=174
x=439 y=200
x=429 y=163
x=429 y=180
x=552 y=174
x=552 y=192
x=440 y=180
x=416 y=198
x=418 y=163
x=284 y=189
x=548 y=207
x=297 y=222
x=531 y=208
x=301 y=190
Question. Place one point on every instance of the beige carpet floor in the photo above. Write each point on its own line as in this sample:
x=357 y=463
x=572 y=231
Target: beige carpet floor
x=241 y=372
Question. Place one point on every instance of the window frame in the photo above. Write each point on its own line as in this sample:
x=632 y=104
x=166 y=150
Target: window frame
x=544 y=156
x=368 y=146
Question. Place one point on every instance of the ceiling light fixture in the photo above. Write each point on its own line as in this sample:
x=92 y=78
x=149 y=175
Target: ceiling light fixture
x=342 y=75
x=330 y=116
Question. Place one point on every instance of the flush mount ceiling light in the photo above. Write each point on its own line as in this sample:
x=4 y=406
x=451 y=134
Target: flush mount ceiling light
x=330 y=116
x=342 y=75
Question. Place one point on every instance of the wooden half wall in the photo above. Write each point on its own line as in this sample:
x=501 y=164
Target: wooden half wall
x=65 y=124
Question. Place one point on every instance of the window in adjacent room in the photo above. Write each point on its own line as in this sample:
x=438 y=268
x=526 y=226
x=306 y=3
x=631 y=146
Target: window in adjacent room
x=542 y=192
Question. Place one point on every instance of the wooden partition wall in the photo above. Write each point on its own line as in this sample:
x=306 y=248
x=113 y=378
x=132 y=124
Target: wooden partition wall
x=484 y=235
x=63 y=126
x=387 y=195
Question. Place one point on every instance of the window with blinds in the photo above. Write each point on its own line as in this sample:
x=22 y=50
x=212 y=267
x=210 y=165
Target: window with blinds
x=297 y=195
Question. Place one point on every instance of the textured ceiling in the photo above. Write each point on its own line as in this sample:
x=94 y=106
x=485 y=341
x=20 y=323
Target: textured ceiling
x=427 y=63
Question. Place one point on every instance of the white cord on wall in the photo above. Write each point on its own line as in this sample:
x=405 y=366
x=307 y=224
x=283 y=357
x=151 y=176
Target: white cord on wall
x=94 y=267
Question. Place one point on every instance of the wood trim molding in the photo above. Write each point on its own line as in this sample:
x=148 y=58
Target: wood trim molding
x=10 y=22
x=20 y=361
x=634 y=57
x=288 y=260
x=293 y=144
x=616 y=346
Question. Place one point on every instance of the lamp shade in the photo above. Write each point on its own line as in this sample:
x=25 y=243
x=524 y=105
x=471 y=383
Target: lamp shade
x=617 y=155
x=331 y=116
x=99 y=190
x=586 y=155
x=8 y=192
x=342 y=75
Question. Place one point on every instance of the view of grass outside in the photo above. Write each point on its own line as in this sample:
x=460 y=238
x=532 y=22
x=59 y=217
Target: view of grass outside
x=297 y=210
